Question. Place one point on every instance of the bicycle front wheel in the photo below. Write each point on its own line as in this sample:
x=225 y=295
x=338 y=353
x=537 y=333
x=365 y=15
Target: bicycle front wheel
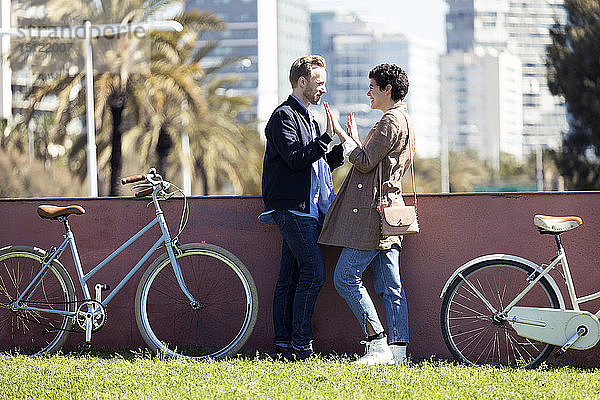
x=222 y=316
x=26 y=331
x=473 y=334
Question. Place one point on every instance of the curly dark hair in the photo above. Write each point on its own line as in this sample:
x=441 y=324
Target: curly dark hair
x=391 y=74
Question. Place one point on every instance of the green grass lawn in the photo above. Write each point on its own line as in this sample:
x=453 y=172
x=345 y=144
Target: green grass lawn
x=130 y=376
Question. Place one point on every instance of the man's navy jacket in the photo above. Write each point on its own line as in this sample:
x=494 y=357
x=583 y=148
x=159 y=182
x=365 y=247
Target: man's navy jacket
x=291 y=151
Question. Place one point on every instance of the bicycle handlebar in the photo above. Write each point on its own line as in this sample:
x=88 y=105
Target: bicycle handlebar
x=154 y=185
x=144 y=193
x=132 y=179
x=152 y=179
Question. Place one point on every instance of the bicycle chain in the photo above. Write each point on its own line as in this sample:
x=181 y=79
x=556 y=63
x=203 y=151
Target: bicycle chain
x=46 y=325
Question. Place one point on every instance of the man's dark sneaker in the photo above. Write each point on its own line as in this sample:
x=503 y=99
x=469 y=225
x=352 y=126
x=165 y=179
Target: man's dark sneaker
x=300 y=355
x=284 y=351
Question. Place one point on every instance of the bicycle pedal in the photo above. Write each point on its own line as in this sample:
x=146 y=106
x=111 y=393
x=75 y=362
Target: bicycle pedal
x=99 y=288
x=84 y=346
x=559 y=353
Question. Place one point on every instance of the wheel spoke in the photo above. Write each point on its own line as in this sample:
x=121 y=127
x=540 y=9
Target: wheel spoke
x=217 y=324
x=27 y=331
x=473 y=334
x=470 y=309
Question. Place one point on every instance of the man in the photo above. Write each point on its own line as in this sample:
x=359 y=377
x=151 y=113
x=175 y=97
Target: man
x=297 y=191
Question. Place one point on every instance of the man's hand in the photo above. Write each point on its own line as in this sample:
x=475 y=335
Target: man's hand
x=329 y=129
x=333 y=126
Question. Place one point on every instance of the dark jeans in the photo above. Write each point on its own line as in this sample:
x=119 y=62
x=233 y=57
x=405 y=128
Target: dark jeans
x=301 y=276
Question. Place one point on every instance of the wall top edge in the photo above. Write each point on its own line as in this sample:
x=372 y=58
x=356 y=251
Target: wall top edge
x=245 y=197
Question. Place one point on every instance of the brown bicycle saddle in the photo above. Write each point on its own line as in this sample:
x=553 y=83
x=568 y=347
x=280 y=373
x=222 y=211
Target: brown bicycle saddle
x=52 y=212
x=556 y=224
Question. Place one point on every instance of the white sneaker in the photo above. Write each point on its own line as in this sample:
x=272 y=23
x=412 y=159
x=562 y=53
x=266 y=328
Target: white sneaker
x=399 y=353
x=377 y=352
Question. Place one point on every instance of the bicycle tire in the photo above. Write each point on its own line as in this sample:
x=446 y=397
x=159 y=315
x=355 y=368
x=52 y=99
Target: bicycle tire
x=227 y=311
x=470 y=332
x=33 y=333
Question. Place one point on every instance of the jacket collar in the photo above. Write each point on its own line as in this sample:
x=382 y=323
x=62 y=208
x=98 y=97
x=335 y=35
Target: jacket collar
x=297 y=106
x=400 y=106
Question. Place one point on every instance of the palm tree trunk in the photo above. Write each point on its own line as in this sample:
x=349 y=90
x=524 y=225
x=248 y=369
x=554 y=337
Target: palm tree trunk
x=163 y=148
x=202 y=172
x=116 y=159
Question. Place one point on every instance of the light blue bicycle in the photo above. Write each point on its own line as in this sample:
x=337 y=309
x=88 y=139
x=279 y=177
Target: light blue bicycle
x=195 y=300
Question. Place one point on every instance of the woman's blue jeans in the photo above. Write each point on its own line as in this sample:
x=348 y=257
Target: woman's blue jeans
x=385 y=266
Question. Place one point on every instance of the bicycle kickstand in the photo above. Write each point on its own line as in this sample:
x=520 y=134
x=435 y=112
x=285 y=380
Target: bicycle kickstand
x=581 y=331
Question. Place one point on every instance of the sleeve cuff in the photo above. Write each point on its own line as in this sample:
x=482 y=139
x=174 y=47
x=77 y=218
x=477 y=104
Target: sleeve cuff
x=349 y=145
x=325 y=138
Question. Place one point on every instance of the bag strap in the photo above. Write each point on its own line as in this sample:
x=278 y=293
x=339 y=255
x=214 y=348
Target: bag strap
x=412 y=169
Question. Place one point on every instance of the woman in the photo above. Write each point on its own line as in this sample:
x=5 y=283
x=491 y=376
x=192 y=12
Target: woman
x=354 y=223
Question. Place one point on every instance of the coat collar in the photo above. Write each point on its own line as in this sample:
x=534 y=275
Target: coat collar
x=400 y=106
x=297 y=106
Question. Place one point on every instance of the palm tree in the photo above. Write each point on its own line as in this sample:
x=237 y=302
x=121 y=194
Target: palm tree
x=118 y=73
x=171 y=93
x=144 y=105
x=223 y=151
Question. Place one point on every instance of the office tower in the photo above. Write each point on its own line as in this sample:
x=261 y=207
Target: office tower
x=481 y=102
x=268 y=35
x=352 y=46
x=293 y=38
x=528 y=24
x=521 y=28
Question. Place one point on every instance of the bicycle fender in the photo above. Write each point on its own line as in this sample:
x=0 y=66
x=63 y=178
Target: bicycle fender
x=510 y=257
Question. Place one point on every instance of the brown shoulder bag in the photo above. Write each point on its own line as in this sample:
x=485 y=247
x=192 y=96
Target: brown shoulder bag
x=399 y=220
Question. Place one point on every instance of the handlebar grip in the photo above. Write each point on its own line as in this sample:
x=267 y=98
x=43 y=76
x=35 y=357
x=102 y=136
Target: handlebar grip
x=144 y=193
x=132 y=179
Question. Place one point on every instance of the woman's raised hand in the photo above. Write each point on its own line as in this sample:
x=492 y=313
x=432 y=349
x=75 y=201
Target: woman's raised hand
x=352 y=129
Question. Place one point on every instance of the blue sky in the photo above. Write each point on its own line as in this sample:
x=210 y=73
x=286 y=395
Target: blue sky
x=420 y=18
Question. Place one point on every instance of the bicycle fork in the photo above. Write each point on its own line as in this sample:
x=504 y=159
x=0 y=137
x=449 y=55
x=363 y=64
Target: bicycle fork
x=177 y=271
x=170 y=245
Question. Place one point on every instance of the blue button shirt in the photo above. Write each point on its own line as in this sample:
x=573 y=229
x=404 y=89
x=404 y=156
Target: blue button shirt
x=321 y=187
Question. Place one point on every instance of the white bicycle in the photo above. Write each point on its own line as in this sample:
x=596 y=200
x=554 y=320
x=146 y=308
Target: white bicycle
x=504 y=309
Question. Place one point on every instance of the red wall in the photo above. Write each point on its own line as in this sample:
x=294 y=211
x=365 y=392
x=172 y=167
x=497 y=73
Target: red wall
x=454 y=229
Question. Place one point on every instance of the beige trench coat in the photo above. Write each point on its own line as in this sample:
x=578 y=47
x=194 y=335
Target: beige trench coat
x=352 y=220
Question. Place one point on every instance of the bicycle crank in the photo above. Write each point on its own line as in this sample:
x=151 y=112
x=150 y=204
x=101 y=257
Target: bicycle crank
x=91 y=316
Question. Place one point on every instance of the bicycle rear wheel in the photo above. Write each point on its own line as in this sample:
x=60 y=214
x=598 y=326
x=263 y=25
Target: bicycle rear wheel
x=33 y=332
x=219 y=323
x=471 y=332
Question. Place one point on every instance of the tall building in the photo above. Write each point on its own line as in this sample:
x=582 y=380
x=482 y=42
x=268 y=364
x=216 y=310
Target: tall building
x=521 y=28
x=293 y=37
x=267 y=35
x=528 y=24
x=352 y=46
x=482 y=103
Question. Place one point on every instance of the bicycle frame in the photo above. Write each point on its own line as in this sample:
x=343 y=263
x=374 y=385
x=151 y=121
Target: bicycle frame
x=69 y=241
x=505 y=309
x=561 y=258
